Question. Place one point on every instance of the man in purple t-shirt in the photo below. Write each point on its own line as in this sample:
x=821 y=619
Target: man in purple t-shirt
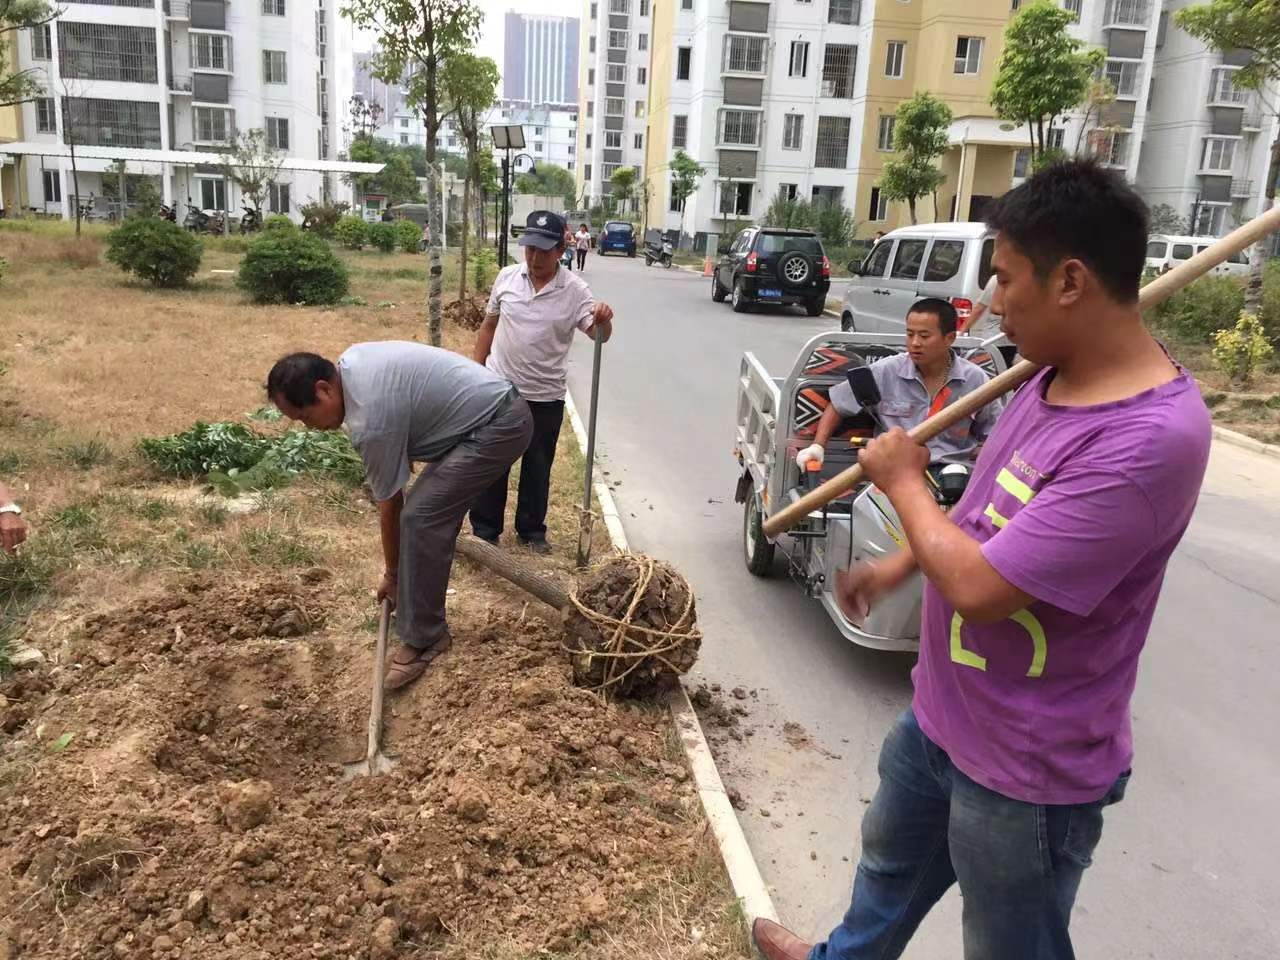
x=1041 y=585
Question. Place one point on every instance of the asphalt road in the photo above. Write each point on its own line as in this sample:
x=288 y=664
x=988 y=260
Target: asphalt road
x=1186 y=867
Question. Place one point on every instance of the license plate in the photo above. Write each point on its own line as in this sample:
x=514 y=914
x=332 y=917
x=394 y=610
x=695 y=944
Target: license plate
x=770 y=292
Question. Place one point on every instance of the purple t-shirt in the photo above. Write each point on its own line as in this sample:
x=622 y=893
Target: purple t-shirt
x=1080 y=507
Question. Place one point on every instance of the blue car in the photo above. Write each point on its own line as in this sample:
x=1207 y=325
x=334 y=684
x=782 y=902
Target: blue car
x=618 y=236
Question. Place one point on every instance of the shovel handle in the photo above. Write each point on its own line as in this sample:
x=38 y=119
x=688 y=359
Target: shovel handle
x=1158 y=290
x=379 y=669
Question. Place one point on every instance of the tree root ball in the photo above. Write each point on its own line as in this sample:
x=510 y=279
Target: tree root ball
x=632 y=627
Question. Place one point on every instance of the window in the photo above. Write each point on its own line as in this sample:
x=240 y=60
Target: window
x=42 y=43
x=1157 y=249
x=591 y=109
x=404 y=139
x=1210 y=219
x=278 y=132
x=537 y=131
x=884 y=136
x=52 y=183
x=680 y=131
x=838 y=63
x=617 y=39
x=537 y=144
x=788 y=191
x=832 y=147
x=735 y=199
x=968 y=55
x=674 y=204
x=273 y=67
x=613 y=139
x=894 y=57
x=210 y=51
x=213 y=194
x=212 y=125
x=879 y=258
x=1182 y=251
x=1073 y=7
x=639 y=141
x=588 y=141
x=792 y=131
x=607 y=170
x=684 y=60
x=879 y=210
x=591 y=44
x=644 y=8
x=639 y=109
x=1056 y=137
x=101 y=51
x=642 y=42
x=1124 y=76
x=642 y=75
x=273 y=8
x=944 y=260
x=686 y=4
x=1021 y=164
x=404 y=121
x=591 y=76
x=1218 y=154
x=595 y=11
x=586 y=171
x=740 y=128
x=614 y=106
x=843 y=11
x=111 y=123
x=619 y=6
x=278 y=198
x=615 y=73
x=46 y=116
x=744 y=54
x=906 y=261
x=799 y=59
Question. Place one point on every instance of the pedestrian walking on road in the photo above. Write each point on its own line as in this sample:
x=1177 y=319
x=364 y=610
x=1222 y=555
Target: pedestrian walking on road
x=582 y=240
x=1040 y=589
x=534 y=309
x=406 y=402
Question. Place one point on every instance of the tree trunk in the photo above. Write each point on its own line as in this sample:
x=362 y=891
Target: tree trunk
x=75 y=183
x=466 y=214
x=1257 y=256
x=435 y=216
x=935 y=206
x=911 y=206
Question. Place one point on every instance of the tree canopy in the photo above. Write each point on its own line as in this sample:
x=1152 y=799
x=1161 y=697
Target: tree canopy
x=21 y=85
x=547 y=180
x=919 y=137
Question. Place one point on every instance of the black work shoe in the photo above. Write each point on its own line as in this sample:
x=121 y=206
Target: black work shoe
x=539 y=545
x=492 y=541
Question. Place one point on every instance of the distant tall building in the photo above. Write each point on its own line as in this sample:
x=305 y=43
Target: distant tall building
x=540 y=59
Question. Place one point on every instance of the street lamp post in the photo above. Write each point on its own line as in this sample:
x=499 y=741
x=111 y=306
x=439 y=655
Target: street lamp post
x=508 y=138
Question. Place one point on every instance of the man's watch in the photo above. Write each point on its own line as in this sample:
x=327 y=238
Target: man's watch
x=10 y=508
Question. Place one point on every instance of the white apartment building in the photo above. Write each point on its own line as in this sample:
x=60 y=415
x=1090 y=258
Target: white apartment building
x=613 y=94
x=165 y=84
x=1208 y=142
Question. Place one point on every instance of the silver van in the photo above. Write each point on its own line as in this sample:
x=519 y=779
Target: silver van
x=951 y=261
x=1164 y=252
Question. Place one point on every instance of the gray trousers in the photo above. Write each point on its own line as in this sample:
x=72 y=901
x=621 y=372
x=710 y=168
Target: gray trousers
x=432 y=516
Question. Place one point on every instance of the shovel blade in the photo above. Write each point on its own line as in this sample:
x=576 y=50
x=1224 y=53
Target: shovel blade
x=368 y=767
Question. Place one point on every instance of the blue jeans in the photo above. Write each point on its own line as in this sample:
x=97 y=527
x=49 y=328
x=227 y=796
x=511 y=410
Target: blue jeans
x=1018 y=864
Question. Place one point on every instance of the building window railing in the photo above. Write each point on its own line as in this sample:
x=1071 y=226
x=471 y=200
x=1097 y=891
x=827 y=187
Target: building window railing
x=1127 y=13
x=844 y=11
x=745 y=54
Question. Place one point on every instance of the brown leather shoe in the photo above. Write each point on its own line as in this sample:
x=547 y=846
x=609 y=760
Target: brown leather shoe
x=408 y=663
x=776 y=942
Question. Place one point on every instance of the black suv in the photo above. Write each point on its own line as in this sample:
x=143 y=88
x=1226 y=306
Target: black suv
x=773 y=265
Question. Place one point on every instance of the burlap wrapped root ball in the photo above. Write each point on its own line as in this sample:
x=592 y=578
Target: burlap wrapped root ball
x=632 y=627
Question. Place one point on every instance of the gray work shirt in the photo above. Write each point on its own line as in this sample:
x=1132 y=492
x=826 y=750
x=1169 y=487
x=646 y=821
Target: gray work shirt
x=407 y=401
x=905 y=402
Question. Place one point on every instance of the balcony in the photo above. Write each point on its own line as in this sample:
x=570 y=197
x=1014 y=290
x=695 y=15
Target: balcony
x=1241 y=187
x=1252 y=119
x=1125 y=77
x=1127 y=13
x=1223 y=92
x=745 y=54
x=177 y=9
x=180 y=83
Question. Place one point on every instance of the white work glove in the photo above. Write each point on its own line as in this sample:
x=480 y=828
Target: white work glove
x=810 y=454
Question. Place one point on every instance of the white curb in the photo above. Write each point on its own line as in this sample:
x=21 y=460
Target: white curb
x=739 y=862
x=1249 y=443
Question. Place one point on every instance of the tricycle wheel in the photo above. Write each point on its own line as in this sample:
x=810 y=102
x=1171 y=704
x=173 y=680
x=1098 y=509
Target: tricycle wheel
x=759 y=551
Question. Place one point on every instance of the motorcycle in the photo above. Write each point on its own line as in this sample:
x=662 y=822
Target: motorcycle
x=169 y=213
x=196 y=220
x=653 y=253
x=251 y=219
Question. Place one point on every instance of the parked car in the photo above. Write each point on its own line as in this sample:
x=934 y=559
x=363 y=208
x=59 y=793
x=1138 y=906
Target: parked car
x=773 y=265
x=951 y=261
x=618 y=236
x=1164 y=252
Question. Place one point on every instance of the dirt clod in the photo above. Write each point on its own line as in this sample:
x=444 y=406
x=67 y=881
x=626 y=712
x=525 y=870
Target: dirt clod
x=245 y=805
x=382 y=943
x=195 y=907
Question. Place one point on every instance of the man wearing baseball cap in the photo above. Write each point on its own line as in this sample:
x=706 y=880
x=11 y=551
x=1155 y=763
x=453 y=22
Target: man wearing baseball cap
x=534 y=309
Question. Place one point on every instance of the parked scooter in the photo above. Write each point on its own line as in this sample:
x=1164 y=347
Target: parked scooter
x=251 y=220
x=662 y=254
x=196 y=220
x=167 y=212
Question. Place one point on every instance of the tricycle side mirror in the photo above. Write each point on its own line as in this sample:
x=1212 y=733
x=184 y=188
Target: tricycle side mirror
x=855 y=268
x=865 y=389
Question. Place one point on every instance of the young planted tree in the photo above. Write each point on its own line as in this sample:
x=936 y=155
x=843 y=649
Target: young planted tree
x=685 y=174
x=547 y=180
x=788 y=213
x=623 y=182
x=21 y=85
x=253 y=164
x=471 y=84
x=1043 y=73
x=417 y=39
x=919 y=137
x=1252 y=25
x=366 y=116
x=1165 y=219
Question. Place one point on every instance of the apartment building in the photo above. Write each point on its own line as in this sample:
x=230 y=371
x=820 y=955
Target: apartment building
x=10 y=132
x=166 y=84
x=1207 y=143
x=540 y=59
x=613 y=99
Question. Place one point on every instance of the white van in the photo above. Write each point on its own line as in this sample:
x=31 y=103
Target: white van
x=951 y=261
x=1164 y=252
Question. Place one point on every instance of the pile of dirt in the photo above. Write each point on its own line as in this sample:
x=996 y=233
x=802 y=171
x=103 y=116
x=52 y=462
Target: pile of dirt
x=197 y=808
x=633 y=627
x=468 y=313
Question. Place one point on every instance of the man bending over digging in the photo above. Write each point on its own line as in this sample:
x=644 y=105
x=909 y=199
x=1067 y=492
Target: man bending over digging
x=401 y=402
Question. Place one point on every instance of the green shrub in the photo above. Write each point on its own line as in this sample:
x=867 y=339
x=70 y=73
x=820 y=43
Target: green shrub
x=382 y=236
x=1198 y=311
x=156 y=250
x=351 y=232
x=834 y=222
x=278 y=221
x=1270 y=314
x=1242 y=350
x=408 y=234
x=290 y=266
x=482 y=267
x=321 y=218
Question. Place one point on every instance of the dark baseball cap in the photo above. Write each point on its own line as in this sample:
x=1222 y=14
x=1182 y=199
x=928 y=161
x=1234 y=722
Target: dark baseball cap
x=543 y=230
